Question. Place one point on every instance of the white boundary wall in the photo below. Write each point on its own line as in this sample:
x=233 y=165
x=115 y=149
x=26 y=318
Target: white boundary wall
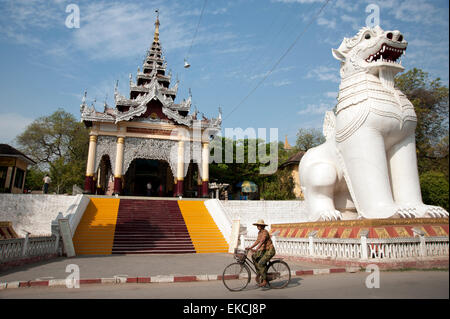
x=272 y=211
x=35 y=212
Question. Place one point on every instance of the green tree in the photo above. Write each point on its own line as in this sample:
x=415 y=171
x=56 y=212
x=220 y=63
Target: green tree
x=59 y=145
x=434 y=187
x=33 y=180
x=309 y=138
x=243 y=163
x=279 y=186
x=430 y=100
x=284 y=154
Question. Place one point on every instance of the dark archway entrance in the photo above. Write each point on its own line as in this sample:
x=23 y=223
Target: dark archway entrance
x=144 y=171
x=104 y=177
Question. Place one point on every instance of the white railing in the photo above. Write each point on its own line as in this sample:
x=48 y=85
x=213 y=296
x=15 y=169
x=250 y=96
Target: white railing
x=18 y=248
x=359 y=248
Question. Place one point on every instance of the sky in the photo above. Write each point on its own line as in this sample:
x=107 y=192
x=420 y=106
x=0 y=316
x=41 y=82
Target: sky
x=266 y=63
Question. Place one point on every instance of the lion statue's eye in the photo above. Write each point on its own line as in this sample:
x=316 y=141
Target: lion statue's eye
x=367 y=36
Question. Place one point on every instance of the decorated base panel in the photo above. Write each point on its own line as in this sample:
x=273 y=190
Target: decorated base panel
x=378 y=228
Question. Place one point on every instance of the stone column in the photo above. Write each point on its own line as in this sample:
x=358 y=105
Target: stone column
x=180 y=169
x=13 y=179
x=89 y=186
x=205 y=169
x=119 y=163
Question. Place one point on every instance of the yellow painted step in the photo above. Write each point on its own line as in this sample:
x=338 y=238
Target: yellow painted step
x=95 y=232
x=205 y=235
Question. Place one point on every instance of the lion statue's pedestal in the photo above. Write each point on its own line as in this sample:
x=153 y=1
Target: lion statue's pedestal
x=372 y=228
x=390 y=243
x=368 y=163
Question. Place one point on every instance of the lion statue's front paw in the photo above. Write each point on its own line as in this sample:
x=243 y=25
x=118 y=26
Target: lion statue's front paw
x=406 y=212
x=330 y=215
x=435 y=212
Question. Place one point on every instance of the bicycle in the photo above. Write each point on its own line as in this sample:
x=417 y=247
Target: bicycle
x=236 y=276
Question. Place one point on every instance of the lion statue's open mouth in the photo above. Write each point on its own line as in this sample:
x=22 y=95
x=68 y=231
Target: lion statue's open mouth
x=387 y=53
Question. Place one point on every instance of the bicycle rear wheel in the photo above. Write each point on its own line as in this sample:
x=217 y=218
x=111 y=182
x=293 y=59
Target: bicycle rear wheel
x=236 y=276
x=278 y=274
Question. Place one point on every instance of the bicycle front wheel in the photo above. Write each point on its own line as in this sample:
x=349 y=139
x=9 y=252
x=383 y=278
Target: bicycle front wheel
x=278 y=274
x=236 y=276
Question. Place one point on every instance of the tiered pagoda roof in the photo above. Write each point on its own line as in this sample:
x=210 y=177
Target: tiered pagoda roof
x=151 y=98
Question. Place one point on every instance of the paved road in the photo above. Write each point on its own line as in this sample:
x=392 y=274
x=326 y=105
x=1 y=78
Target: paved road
x=132 y=266
x=404 y=285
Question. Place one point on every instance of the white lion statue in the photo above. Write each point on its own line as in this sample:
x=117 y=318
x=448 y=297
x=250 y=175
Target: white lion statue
x=368 y=162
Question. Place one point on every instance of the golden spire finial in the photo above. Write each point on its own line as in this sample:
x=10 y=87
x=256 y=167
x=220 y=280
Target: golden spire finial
x=286 y=143
x=157 y=26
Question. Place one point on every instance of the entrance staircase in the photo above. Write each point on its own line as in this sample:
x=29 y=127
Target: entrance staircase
x=204 y=233
x=151 y=226
x=147 y=226
x=95 y=232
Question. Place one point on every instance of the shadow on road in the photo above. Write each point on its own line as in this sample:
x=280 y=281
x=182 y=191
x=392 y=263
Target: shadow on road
x=294 y=282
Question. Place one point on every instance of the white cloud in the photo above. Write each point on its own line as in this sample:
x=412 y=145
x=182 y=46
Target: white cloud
x=117 y=30
x=108 y=30
x=11 y=125
x=320 y=108
x=297 y=1
x=324 y=73
x=332 y=94
x=282 y=83
x=418 y=11
x=355 y=22
x=334 y=42
x=26 y=14
x=198 y=11
x=261 y=75
x=420 y=43
x=351 y=6
x=329 y=23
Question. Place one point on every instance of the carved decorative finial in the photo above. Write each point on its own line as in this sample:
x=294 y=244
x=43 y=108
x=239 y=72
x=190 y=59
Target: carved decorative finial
x=83 y=100
x=105 y=105
x=93 y=104
x=156 y=37
x=194 y=116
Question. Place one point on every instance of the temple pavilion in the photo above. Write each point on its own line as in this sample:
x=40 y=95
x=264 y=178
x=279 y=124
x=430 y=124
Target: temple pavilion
x=147 y=138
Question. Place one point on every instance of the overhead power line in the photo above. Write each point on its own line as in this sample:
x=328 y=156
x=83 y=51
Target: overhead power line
x=279 y=60
x=196 y=29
